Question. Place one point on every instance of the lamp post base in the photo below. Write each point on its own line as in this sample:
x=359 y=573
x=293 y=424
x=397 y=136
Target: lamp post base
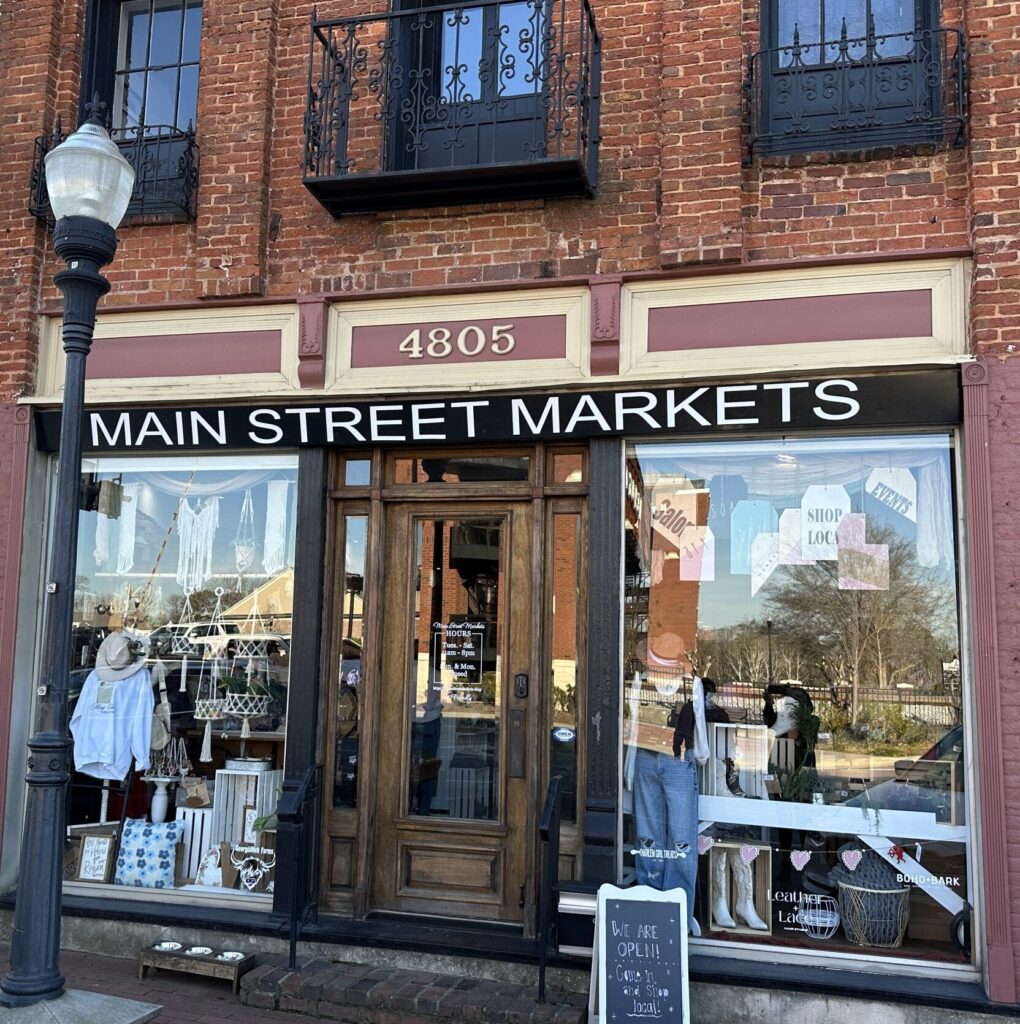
x=77 y=1007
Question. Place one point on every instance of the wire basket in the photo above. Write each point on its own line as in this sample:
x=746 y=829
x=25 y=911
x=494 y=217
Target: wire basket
x=246 y=705
x=874 y=917
x=249 y=648
x=818 y=915
x=209 y=709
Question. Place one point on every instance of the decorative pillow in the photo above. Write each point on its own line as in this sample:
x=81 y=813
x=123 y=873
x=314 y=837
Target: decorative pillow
x=148 y=854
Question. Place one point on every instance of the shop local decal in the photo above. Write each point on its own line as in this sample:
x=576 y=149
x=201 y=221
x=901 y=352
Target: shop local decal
x=821 y=510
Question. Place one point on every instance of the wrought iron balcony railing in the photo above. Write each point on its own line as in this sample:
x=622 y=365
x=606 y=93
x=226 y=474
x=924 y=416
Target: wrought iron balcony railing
x=858 y=92
x=165 y=160
x=453 y=104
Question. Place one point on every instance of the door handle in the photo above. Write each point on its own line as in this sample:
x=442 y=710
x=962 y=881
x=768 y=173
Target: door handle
x=517 y=743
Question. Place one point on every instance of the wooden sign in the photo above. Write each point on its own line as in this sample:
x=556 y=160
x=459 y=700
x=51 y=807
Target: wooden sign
x=640 y=958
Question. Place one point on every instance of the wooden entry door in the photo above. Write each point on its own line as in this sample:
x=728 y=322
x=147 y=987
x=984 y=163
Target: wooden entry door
x=452 y=826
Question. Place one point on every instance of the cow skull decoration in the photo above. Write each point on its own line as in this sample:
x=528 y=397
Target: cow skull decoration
x=253 y=864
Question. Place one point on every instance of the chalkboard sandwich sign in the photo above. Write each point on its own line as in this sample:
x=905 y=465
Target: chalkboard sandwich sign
x=640 y=965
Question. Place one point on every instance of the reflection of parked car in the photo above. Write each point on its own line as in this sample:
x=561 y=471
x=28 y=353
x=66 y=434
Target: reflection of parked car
x=161 y=640
x=932 y=782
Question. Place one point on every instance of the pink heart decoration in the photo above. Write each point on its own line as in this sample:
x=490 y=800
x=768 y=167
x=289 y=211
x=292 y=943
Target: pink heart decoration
x=851 y=858
x=705 y=843
x=799 y=858
x=748 y=853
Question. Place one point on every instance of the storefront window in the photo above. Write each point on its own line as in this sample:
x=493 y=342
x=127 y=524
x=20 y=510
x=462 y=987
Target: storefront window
x=812 y=586
x=179 y=685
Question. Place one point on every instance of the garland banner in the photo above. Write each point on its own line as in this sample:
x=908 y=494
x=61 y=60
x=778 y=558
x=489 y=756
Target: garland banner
x=882 y=400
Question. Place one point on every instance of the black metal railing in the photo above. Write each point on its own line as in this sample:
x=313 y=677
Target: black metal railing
x=165 y=161
x=300 y=813
x=549 y=834
x=857 y=92
x=441 y=88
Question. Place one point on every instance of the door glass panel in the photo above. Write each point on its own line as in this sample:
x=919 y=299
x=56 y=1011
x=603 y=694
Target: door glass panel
x=567 y=468
x=466 y=470
x=345 y=781
x=456 y=668
x=565 y=602
x=357 y=472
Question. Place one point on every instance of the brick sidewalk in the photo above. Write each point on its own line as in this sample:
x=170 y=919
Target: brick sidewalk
x=185 y=999
x=344 y=992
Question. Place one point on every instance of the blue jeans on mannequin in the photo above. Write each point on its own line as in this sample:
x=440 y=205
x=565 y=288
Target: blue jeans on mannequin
x=666 y=823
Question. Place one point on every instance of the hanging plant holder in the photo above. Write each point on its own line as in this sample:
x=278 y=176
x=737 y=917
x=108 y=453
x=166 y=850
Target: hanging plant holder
x=246 y=706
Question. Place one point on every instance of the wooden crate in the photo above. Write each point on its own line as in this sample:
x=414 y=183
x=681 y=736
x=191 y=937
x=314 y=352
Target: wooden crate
x=236 y=790
x=197 y=839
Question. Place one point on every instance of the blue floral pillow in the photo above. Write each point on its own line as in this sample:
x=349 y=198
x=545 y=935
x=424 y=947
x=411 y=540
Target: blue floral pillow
x=148 y=854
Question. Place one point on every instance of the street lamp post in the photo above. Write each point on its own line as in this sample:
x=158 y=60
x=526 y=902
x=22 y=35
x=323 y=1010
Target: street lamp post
x=89 y=184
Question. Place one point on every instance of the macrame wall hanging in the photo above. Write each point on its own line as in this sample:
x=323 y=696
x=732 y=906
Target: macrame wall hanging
x=274 y=547
x=196 y=528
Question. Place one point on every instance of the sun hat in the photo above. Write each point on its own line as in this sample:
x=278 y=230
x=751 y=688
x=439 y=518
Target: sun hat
x=119 y=658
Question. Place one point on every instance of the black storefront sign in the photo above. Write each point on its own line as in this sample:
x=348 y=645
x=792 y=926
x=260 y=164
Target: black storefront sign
x=888 y=400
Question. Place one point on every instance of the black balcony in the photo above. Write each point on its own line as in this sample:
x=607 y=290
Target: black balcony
x=165 y=160
x=857 y=93
x=425 y=106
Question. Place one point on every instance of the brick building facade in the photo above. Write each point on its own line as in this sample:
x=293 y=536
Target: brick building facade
x=683 y=199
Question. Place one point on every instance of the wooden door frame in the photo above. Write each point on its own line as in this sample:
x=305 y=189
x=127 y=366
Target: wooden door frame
x=518 y=655
x=376 y=496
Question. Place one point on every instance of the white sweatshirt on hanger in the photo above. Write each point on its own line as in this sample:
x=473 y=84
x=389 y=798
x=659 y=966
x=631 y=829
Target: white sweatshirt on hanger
x=109 y=733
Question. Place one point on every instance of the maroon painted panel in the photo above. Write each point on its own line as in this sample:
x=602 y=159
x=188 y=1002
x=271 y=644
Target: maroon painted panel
x=863 y=317
x=185 y=355
x=534 y=337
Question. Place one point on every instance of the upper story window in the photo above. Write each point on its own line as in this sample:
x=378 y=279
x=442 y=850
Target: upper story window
x=854 y=74
x=155 y=81
x=142 y=59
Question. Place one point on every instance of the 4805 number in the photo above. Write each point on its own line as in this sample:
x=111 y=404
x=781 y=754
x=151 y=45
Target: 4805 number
x=470 y=340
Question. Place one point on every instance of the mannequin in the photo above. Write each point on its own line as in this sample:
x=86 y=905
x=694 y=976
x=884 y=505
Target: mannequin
x=666 y=808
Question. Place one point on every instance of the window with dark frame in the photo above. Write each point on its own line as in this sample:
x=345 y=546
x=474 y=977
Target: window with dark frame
x=142 y=60
x=854 y=74
x=156 y=72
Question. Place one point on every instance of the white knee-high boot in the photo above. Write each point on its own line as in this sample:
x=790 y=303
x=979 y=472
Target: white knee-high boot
x=744 y=904
x=720 y=892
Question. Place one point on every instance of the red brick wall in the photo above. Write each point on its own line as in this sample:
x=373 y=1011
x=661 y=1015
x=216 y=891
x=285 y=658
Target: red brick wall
x=672 y=188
